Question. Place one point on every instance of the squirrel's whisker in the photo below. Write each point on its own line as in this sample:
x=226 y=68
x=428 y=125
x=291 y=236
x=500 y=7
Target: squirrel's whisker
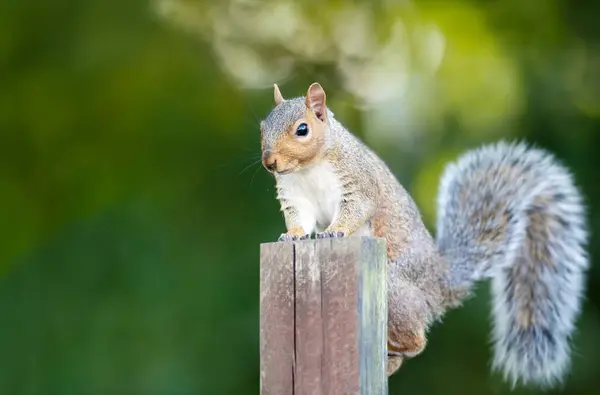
x=249 y=166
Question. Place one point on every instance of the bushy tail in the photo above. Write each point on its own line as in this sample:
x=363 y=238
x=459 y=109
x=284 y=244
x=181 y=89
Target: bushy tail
x=513 y=214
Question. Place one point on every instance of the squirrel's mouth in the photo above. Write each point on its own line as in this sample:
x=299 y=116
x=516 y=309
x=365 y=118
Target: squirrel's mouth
x=283 y=172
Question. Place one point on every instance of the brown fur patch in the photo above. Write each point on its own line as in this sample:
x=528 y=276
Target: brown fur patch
x=537 y=231
x=536 y=255
x=379 y=226
x=407 y=342
x=292 y=151
x=297 y=231
x=395 y=237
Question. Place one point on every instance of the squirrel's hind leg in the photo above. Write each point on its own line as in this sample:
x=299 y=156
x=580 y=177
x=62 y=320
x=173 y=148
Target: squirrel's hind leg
x=403 y=344
x=407 y=321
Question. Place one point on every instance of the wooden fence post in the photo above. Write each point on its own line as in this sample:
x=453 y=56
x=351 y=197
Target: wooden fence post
x=323 y=317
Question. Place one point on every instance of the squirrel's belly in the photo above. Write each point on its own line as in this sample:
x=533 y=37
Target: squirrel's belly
x=316 y=192
x=324 y=190
x=326 y=212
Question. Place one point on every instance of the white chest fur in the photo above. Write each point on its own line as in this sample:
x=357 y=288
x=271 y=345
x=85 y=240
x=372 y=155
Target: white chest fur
x=315 y=192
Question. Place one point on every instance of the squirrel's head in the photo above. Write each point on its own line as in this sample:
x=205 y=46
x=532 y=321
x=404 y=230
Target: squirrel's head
x=293 y=134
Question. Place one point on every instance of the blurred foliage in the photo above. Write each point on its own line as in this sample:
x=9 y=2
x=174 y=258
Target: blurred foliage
x=133 y=204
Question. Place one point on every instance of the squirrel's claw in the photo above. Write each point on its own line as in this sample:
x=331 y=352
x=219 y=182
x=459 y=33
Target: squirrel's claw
x=291 y=237
x=287 y=237
x=330 y=234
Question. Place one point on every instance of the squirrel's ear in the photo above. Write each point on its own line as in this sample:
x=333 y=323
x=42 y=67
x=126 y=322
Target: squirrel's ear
x=277 y=95
x=315 y=100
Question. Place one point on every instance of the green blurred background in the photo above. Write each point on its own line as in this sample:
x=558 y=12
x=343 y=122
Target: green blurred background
x=132 y=205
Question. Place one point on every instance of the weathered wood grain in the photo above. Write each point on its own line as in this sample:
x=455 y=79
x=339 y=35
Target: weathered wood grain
x=324 y=317
x=372 y=316
x=309 y=321
x=277 y=319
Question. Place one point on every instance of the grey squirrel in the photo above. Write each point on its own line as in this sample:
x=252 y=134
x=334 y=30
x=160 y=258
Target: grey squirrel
x=506 y=212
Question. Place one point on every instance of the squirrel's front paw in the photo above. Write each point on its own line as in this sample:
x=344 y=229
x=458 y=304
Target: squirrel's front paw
x=293 y=237
x=330 y=234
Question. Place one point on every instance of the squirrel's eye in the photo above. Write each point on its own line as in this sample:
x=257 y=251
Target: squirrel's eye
x=302 y=130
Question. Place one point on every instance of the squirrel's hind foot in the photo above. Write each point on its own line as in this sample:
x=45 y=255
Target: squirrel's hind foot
x=394 y=362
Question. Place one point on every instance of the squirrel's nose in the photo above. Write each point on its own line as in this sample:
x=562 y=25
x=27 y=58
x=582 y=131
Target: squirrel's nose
x=269 y=162
x=271 y=166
